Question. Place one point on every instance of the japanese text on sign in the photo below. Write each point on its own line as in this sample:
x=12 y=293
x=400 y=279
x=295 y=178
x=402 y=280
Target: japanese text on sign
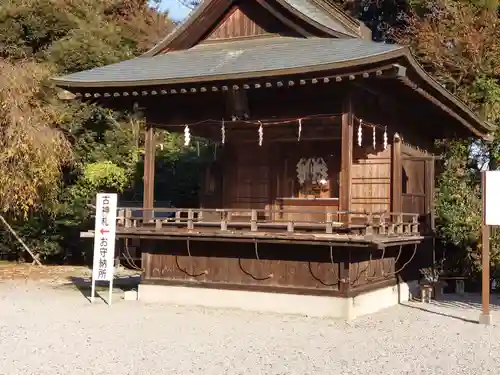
x=104 y=239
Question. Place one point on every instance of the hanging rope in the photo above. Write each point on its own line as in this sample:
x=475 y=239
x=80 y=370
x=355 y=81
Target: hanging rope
x=128 y=257
x=375 y=271
x=333 y=269
x=249 y=273
x=404 y=265
x=184 y=270
x=362 y=272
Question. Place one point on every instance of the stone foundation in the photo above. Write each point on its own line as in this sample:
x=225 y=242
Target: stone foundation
x=314 y=306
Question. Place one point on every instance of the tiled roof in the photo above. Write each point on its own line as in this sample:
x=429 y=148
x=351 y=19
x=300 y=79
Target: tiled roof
x=235 y=59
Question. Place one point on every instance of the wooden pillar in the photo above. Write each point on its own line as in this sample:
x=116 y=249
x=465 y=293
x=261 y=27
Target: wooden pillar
x=347 y=143
x=430 y=183
x=485 y=317
x=149 y=172
x=397 y=175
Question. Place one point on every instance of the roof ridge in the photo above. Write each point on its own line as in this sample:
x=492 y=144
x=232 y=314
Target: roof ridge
x=344 y=17
x=317 y=13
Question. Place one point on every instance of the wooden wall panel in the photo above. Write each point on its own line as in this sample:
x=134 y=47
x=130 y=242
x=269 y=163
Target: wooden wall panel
x=247 y=177
x=236 y=25
x=237 y=263
x=371 y=180
x=248 y=19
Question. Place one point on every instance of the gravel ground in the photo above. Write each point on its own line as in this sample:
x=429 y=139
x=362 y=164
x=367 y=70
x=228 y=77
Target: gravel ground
x=47 y=330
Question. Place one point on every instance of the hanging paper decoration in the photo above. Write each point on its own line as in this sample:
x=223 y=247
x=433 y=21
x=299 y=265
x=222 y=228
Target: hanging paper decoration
x=187 y=136
x=300 y=129
x=360 y=133
x=374 y=137
x=385 y=138
x=261 y=134
x=223 y=132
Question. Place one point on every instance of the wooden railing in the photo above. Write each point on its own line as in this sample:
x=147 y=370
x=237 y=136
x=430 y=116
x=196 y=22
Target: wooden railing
x=160 y=219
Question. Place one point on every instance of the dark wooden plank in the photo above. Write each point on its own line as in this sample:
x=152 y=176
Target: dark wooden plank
x=149 y=171
x=346 y=156
x=430 y=181
x=396 y=175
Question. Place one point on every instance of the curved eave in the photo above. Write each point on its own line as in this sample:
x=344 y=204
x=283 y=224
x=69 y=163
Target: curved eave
x=419 y=81
x=452 y=105
x=353 y=63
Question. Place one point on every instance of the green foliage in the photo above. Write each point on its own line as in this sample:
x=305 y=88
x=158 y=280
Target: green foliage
x=458 y=204
x=56 y=161
x=32 y=151
x=184 y=165
x=28 y=27
x=459 y=209
x=86 y=49
x=104 y=175
x=57 y=155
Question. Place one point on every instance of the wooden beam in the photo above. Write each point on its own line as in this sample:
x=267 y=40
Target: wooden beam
x=293 y=25
x=430 y=183
x=347 y=142
x=485 y=317
x=396 y=175
x=149 y=172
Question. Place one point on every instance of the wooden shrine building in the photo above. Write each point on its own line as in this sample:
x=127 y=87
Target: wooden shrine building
x=319 y=199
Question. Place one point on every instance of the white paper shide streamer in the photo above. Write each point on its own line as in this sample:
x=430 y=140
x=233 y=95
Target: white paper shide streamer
x=261 y=134
x=223 y=132
x=187 y=136
x=360 y=133
x=374 y=138
x=300 y=130
x=385 y=139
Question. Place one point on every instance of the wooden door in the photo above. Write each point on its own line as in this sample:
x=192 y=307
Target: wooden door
x=418 y=189
x=414 y=182
x=248 y=181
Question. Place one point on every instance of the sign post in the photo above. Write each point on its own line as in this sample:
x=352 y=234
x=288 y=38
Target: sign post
x=104 y=242
x=491 y=216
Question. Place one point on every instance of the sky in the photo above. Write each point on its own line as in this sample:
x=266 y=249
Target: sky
x=177 y=11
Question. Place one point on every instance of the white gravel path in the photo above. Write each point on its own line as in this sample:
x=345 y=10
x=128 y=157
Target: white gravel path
x=56 y=331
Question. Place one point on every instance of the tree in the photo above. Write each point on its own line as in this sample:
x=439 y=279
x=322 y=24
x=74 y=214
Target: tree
x=458 y=43
x=53 y=149
x=32 y=151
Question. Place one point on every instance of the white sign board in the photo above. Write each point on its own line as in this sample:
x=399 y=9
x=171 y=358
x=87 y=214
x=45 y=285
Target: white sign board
x=492 y=198
x=104 y=240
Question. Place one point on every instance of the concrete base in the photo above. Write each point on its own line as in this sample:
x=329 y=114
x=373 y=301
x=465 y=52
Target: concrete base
x=131 y=295
x=315 y=306
x=485 y=319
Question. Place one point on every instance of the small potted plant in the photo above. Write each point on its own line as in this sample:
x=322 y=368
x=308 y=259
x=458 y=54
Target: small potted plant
x=430 y=282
